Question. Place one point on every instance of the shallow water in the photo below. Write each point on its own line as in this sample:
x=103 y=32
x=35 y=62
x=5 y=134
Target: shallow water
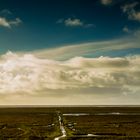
x=101 y=113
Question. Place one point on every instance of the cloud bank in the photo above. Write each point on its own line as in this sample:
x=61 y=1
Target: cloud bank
x=28 y=75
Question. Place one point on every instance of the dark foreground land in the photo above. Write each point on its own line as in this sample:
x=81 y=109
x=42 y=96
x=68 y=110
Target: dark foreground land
x=80 y=123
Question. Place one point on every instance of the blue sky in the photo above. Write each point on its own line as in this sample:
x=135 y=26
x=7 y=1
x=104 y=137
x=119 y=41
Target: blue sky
x=43 y=23
x=69 y=52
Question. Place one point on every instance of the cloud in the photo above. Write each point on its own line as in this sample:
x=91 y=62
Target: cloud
x=91 y=49
x=9 y=23
x=74 y=22
x=129 y=9
x=126 y=30
x=56 y=76
x=93 y=75
x=15 y=22
x=137 y=33
x=6 y=12
x=6 y=22
x=106 y=2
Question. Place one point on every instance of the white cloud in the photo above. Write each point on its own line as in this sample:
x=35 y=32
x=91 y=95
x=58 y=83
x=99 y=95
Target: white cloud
x=129 y=9
x=74 y=22
x=106 y=2
x=29 y=75
x=9 y=23
x=135 y=16
x=86 y=49
x=126 y=30
x=4 y=22
x=56 y=76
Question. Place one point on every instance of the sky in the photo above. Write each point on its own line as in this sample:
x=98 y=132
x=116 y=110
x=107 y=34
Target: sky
x=69 y=52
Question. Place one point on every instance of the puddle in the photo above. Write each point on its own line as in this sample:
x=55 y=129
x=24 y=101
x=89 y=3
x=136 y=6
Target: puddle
x=76 y=114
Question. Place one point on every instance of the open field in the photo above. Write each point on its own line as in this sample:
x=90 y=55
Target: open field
x=80 y=123
x=28 y=124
